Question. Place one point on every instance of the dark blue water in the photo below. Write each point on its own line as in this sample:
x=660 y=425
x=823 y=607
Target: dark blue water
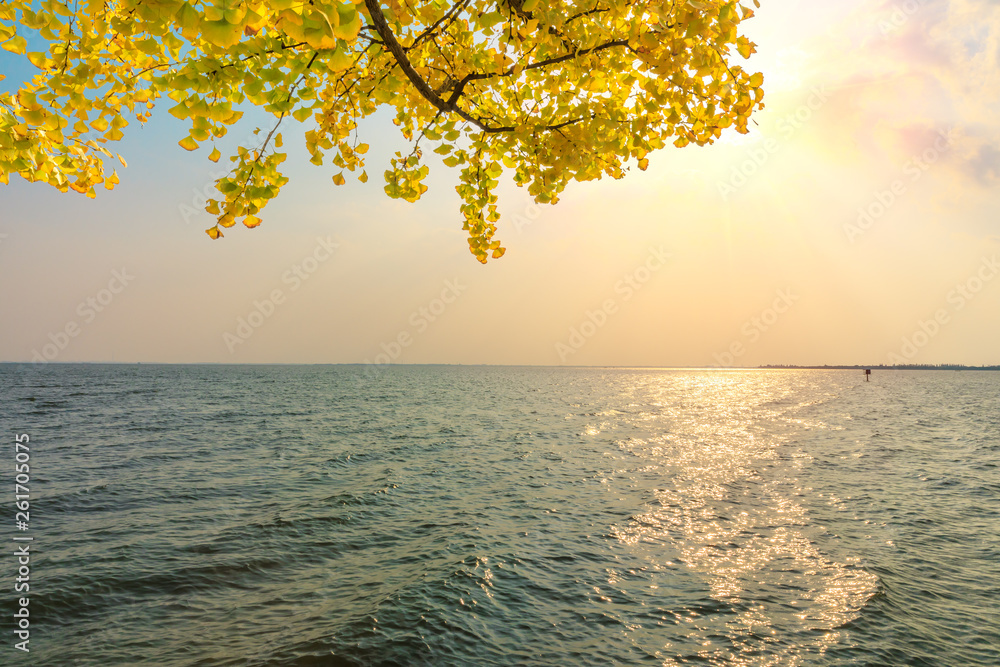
x=318 y=515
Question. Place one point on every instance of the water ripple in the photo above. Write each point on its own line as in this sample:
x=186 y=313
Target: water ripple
x=213 y=515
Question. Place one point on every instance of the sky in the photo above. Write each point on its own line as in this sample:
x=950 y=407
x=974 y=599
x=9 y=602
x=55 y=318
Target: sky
x=856 y=224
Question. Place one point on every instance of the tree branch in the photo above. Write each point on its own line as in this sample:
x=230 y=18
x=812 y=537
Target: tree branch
x=397 y=51
x=475 y=76
x=451 y=104
x=450 y=14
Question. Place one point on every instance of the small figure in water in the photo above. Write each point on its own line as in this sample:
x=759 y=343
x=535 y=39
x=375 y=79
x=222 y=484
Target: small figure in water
x=868 y=373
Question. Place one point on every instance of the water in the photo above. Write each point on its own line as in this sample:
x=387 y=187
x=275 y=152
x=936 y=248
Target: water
x=316 y=515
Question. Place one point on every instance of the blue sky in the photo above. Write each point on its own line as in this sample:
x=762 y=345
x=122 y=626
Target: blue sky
x=860 y=208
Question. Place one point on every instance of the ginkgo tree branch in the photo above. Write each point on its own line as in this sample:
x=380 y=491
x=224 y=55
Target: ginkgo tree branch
x=399 y=54
x=543 y=91
x=451 y=104
x=480 y=76
x=431 y=29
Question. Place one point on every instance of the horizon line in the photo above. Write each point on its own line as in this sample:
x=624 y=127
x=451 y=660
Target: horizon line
x=913 y=366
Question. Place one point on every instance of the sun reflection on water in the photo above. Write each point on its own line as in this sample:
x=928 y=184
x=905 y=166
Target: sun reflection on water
x=727 y=505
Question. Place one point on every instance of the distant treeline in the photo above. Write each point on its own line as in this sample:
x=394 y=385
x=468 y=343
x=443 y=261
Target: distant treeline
x=895 y=367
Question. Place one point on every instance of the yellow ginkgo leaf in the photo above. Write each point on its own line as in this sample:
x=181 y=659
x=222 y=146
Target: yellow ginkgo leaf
x=16 y=44
x=340 y=60
x=221 y=33
x=550 y=95
x=39 y=59
x=214 y=232
x=350 y=23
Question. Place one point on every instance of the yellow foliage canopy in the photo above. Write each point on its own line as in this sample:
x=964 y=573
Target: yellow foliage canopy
x=554 y=91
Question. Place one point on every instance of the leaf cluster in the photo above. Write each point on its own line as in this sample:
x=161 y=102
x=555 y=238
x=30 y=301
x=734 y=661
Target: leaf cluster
x=548 y=92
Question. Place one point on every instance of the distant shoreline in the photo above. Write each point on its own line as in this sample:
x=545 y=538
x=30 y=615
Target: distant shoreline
x=901 y=367
x=897 y=367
